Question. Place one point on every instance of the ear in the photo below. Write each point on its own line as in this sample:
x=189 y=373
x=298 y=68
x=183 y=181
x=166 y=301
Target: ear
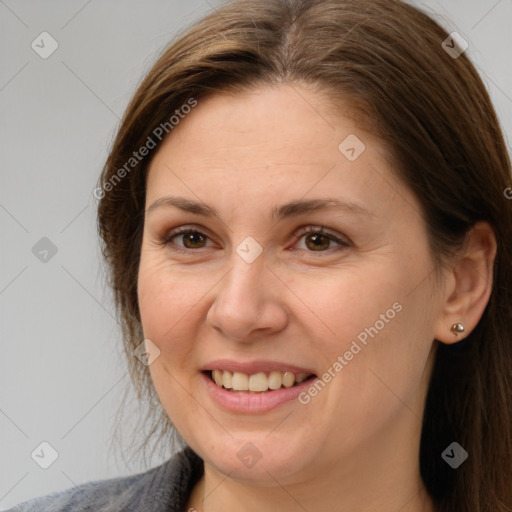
x=469 y=284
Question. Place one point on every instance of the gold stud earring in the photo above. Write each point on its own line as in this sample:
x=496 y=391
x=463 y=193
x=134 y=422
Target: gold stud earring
x=457 y=329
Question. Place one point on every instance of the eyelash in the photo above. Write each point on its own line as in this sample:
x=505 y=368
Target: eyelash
x=343 y=243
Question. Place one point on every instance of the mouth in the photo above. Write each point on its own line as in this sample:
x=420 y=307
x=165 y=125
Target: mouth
x=254 y=387
x=256 y=383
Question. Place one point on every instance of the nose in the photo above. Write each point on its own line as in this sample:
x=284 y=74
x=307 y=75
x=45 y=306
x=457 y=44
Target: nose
x=249 y=302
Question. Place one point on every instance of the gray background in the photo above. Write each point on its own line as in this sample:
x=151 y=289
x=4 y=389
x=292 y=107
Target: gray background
x=61 y=370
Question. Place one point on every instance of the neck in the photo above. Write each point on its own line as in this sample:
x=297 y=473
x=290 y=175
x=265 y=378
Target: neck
x=207 y=497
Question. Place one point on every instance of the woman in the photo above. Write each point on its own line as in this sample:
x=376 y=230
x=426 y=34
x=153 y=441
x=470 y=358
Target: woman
x=305 y=218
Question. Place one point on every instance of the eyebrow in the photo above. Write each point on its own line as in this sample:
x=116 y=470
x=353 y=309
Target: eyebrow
x=290 y=209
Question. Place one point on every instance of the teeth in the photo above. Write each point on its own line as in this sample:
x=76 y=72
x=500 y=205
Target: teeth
x=275 y=379
x=240 y=381
x=227 y=380
x=288 y=379
x=257 y=382
x=217 y=377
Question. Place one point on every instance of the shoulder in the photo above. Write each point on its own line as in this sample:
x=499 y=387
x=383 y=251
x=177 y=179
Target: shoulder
x=162 y=489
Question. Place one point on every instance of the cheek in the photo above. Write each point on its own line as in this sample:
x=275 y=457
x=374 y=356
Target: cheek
x=164 y=300
x=166 y=296
x=347 y=301
x=374 y=317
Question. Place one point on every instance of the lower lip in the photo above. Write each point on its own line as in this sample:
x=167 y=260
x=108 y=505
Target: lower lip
x=253 y=403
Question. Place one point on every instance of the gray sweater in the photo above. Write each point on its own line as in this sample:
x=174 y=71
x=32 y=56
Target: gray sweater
x=165 y=488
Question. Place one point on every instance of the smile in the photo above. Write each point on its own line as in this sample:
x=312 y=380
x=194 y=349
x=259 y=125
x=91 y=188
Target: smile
x=257 y=382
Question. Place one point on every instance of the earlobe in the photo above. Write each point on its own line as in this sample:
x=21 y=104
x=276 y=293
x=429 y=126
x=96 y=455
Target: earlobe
x=471 y=280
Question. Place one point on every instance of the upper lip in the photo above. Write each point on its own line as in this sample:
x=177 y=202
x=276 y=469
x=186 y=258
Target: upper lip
x=252 y=367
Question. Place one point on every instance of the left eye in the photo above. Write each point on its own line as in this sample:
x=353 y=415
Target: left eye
x=318 y=240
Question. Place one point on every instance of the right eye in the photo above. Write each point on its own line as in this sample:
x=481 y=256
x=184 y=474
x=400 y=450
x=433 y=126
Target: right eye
x=190 y=239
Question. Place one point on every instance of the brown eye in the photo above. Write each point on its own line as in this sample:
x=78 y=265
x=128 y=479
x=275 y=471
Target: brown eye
x=315 y=241
x=185 y=239
x=192 y=239
x=318 y=240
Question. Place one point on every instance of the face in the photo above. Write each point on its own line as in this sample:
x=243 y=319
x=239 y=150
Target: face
x=303 y=256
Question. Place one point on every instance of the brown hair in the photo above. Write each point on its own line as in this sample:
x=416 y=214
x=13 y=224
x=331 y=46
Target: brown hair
x=437 y=118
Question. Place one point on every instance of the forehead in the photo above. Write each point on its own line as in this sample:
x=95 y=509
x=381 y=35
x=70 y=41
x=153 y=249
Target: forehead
x=269 y=121
x=268 y=141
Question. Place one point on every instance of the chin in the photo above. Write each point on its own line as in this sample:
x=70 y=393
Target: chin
x=256 y=459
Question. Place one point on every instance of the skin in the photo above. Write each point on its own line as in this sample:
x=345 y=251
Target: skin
x=355 y=445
